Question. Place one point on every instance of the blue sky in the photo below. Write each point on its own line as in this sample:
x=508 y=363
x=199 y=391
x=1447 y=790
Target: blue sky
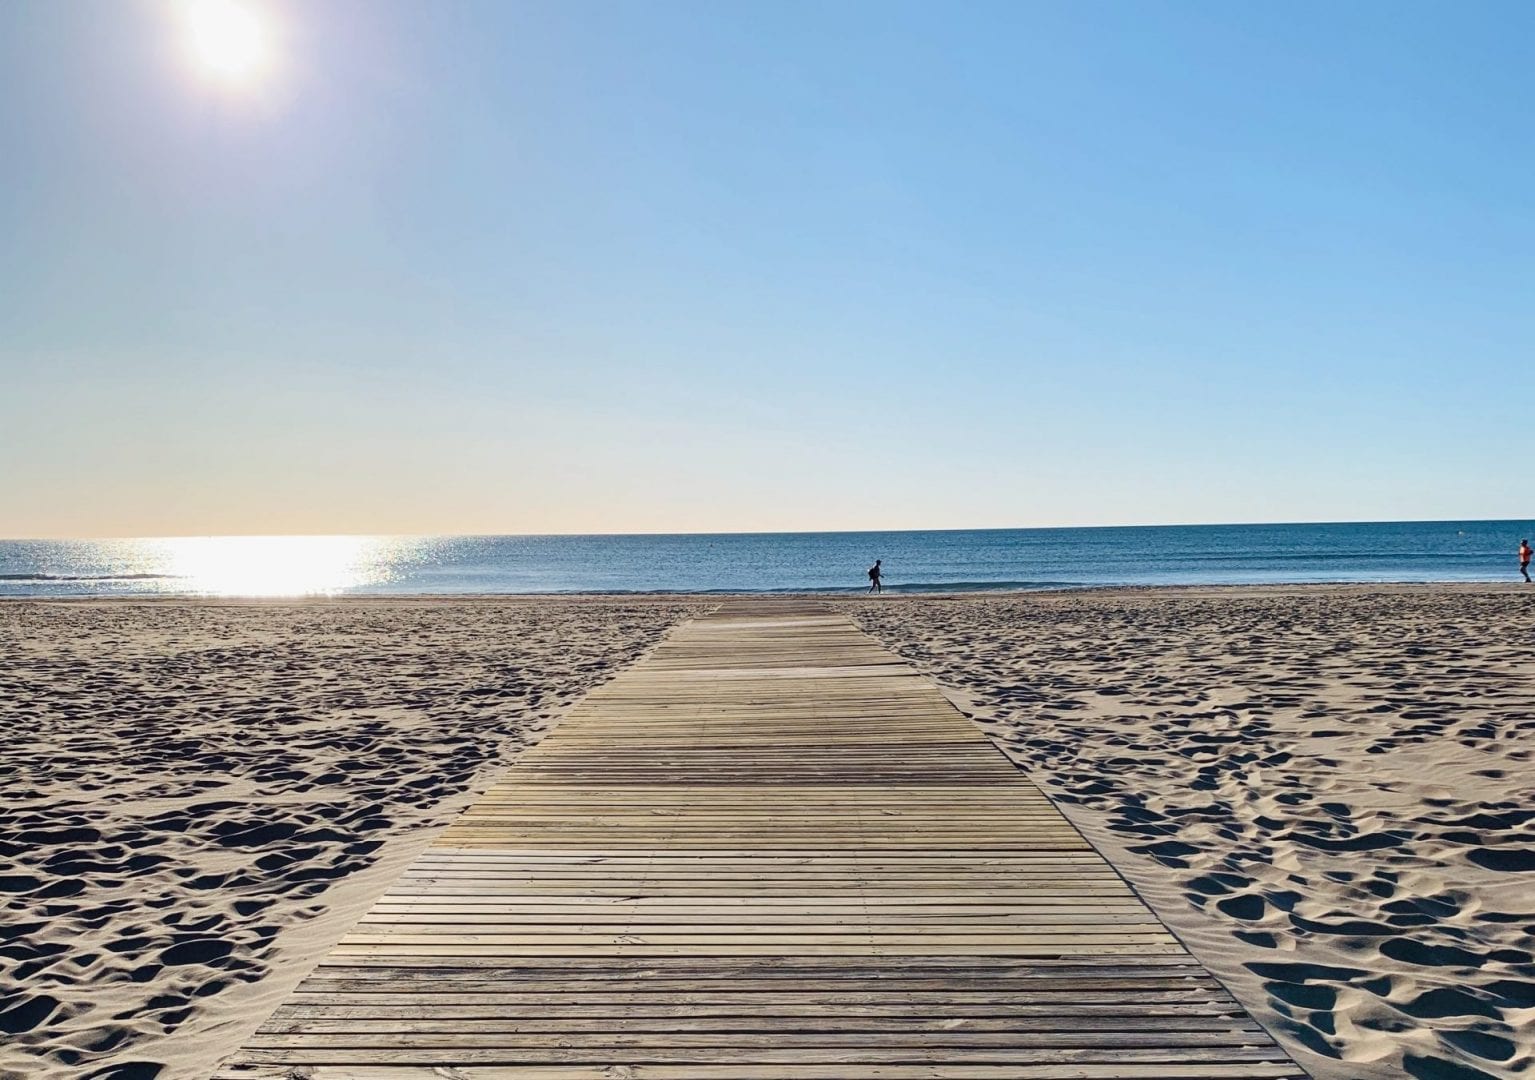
x=563 y=267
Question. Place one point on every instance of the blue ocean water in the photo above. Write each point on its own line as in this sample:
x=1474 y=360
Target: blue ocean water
x=958 y=560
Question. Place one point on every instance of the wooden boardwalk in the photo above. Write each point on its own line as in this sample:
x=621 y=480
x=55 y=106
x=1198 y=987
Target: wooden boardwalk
x=771 y=850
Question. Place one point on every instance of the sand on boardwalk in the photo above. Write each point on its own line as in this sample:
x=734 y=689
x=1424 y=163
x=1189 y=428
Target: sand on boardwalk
x=201 y=797
x=1327 y=792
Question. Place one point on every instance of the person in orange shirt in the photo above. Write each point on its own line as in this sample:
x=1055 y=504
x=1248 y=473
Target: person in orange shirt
x=1524 y=558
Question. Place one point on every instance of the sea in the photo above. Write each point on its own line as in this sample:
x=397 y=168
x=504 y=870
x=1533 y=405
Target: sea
x=960 y=560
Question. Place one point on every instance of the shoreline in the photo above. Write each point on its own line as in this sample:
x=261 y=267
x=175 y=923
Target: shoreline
x=847 y=594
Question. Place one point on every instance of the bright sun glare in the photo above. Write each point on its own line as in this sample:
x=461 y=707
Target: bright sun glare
x=270 y=565
x=229 y=40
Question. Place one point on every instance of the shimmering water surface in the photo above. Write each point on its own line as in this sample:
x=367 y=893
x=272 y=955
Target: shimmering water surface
x=765 y=562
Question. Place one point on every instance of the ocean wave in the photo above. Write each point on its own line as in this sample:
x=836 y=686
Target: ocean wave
x=86 y=577
x=951 y=586
x=791 y=590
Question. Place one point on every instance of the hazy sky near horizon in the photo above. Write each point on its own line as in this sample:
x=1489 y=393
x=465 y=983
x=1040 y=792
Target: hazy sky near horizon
x=612 y=267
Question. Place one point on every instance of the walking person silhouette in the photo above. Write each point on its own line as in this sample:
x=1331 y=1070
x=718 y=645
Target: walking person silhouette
x=874 y=572
x=1524 y=558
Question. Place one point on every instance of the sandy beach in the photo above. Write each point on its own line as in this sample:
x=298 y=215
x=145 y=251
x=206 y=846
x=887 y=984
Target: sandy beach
x=1327 y=792
x=202 y=796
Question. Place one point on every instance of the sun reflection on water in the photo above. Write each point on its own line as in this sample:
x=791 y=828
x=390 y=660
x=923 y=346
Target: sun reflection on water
x=273 y=565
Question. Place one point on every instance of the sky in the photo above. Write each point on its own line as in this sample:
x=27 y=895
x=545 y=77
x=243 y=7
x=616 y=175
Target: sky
x=499 y=267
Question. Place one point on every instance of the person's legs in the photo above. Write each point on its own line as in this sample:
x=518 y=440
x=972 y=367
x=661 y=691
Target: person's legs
x=1524 y=568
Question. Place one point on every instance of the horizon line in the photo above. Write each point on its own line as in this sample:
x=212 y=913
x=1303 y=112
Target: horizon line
x=775 y=532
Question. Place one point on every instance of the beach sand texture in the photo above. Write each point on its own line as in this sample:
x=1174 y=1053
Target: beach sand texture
x=201 y=797
x=1328 y=793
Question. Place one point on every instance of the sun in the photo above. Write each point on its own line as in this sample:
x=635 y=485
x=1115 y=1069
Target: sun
x=229 y=41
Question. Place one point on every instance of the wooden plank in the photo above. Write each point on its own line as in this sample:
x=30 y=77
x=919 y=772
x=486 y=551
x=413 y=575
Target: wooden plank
x=768 y=850
x=586 y=1008
x=1125 y=1071
x=736 y=1055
